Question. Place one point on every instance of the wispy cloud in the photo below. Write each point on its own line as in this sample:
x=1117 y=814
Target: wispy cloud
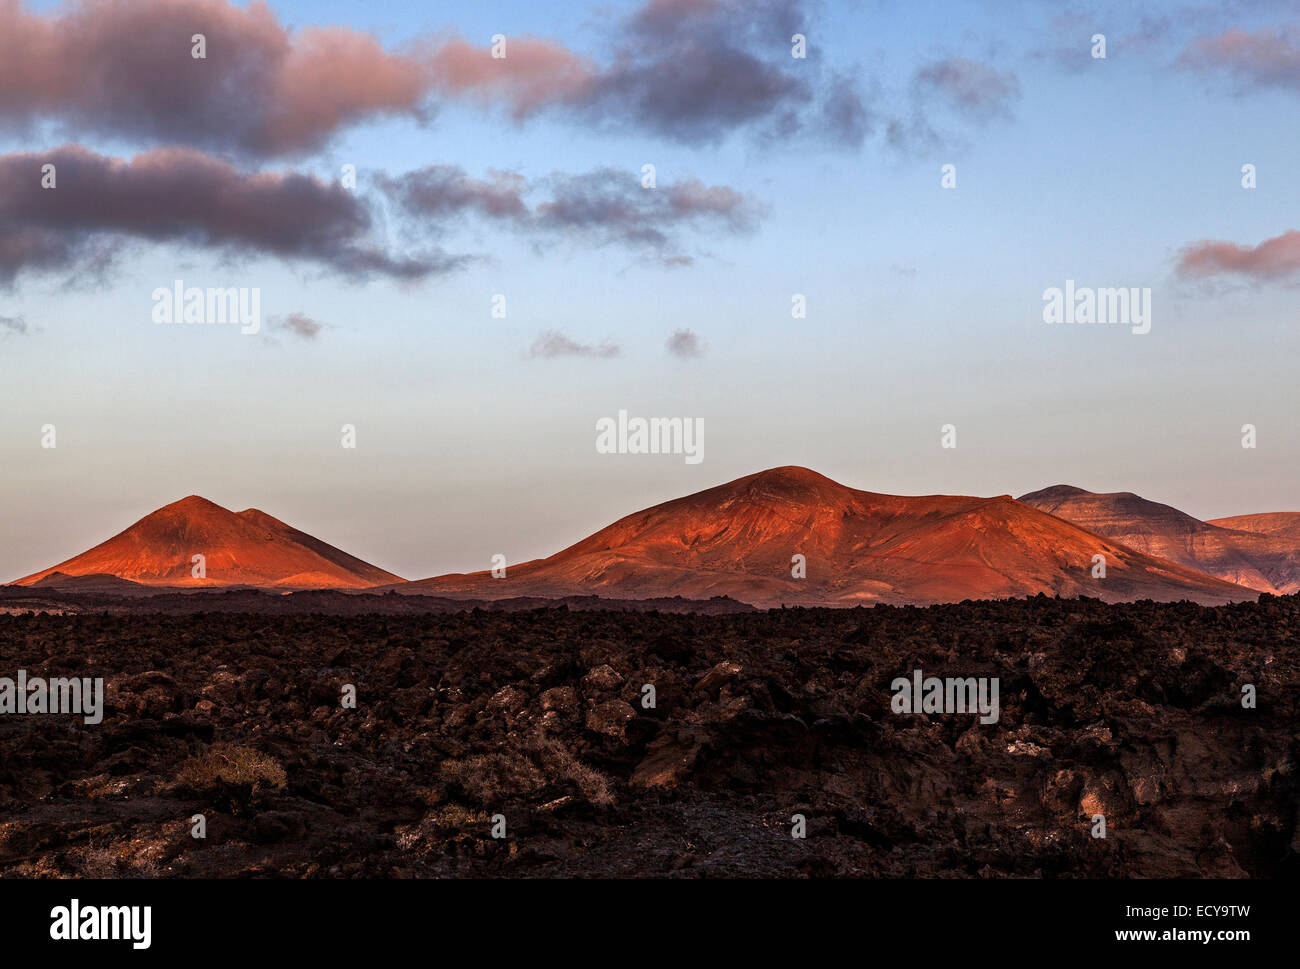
x=1269 y=57
x=599 y=208
x=183 y=196
x=971 y=87
x=14 y=324
x=954 y=89
x=608 y=206
x=300 y=325
x=552 y=343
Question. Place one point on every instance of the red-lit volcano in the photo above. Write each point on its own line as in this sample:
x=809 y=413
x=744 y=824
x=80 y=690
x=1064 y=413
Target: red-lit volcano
x=249 y=548
x=738 y=539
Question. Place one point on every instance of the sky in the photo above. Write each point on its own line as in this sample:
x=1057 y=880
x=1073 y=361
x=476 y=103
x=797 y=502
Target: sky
x=522 y=176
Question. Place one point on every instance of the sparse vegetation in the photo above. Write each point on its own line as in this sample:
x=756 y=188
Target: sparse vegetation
x=487 y=779
x=226 y=764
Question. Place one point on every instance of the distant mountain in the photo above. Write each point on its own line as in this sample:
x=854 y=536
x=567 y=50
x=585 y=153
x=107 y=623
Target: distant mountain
x=95 y=582
x=249 y=548
x=738 y=540
x=1279 y=524
x=1261 y=552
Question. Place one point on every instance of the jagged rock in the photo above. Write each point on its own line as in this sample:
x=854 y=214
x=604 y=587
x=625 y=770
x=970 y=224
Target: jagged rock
x=603 y=677
x=668 y=761
x=610 y=718
x=715 y=677
x=562 y=699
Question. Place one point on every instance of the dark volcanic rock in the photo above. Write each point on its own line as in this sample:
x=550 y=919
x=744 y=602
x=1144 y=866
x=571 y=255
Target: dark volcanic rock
x=1132 y=711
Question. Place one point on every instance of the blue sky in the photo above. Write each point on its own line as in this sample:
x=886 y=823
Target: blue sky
x=924 y=303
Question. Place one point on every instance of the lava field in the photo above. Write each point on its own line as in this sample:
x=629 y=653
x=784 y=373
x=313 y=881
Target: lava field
x=498 y=743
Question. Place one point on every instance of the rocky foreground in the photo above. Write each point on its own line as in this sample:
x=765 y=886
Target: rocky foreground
x=1129 y=711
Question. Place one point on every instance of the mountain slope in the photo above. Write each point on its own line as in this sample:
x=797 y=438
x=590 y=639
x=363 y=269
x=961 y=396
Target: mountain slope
x=1279 y=524
x=1267 y=562
x=738 y=539
x=246 y=549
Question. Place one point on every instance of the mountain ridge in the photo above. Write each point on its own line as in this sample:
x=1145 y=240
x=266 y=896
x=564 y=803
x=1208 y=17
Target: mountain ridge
x=1260 y=561
x=786 y=535
x=738 y=538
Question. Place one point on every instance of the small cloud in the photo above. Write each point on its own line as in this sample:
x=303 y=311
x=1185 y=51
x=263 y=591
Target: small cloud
x=555 y=344
x=845 y=115
x=971 y=87
x=907 y=272
x=685 y=345
x=608 y=206
x=1273 y=259
x=603 y=207
x=15 y=324
x=1268 y=58
x=300 y=325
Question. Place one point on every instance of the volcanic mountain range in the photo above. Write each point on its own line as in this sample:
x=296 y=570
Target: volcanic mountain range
x=785 y=536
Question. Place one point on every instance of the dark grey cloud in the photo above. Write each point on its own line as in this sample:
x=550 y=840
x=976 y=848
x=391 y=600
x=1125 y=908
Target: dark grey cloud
x=14 y=324
x=697 y=70
x=181 y=196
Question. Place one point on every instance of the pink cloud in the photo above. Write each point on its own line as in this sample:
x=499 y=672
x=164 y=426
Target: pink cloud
x=694 y=70
x=1272 y=259
x=534 y=73
x=1268 y=58
x=125 y=67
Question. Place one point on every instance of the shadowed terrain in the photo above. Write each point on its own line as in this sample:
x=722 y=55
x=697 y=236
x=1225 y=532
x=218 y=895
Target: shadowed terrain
x=1132 y=711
